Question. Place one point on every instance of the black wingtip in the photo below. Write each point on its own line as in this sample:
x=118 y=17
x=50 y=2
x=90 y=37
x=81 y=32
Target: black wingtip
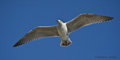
x=19 y=43
x=15 y=45
x=110 y=18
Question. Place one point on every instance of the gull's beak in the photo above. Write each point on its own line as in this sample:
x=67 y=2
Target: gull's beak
x=57 y=20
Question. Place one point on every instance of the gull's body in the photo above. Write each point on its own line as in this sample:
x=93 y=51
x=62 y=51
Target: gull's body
x=62 y=29
x=63 y=32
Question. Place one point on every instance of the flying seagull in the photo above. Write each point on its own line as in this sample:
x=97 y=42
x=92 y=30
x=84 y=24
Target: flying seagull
x=62 y=30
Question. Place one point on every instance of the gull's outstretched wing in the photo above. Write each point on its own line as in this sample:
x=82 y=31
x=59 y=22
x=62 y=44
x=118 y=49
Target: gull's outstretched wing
x=37 y=33
x=85 y=19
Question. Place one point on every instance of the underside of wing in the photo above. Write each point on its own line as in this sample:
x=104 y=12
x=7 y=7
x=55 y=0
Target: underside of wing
x=86 y=19
x=37 y=33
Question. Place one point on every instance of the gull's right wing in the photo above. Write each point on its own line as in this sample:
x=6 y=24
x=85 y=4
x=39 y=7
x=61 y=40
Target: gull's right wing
x=85 y=19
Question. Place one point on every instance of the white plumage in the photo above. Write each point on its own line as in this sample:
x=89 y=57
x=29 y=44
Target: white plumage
x=62 y=29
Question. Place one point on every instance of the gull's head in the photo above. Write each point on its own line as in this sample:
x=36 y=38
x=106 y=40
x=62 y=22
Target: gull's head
x=59 y=21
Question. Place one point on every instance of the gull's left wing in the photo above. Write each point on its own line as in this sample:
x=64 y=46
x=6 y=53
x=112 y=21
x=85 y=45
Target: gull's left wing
x=37 y=33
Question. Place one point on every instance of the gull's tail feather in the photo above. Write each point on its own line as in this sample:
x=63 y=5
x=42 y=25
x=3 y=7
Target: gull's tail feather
x=66 y=42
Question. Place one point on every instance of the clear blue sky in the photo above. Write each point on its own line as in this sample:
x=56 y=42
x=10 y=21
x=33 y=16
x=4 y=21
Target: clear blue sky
x=17 y=17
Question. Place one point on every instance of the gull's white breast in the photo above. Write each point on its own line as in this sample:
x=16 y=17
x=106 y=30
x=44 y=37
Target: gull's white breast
x=63 y=31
